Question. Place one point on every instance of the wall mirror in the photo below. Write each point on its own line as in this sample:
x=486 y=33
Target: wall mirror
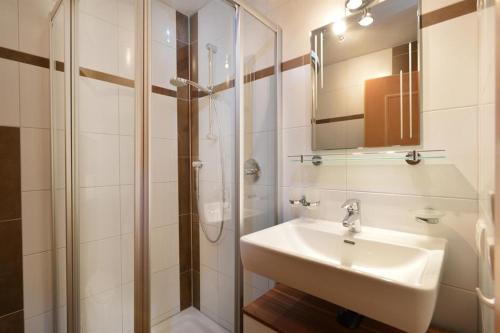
x=366 y=77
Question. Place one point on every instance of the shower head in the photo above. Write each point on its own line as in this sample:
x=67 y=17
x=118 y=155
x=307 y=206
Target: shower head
x=180 y=82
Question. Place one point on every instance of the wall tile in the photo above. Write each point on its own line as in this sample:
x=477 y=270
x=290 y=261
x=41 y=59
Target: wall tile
x=456 y=310
x=127 y=258
x=38 y=289
x=126 y=53
x=164 y=293
x=163 y=160
x=164 y=209
x=10 y=173
x=98 y=112
x=209 y=292
x=163 y=117
x=126 y=107
x=99 y=160
x=98 y=44
x=449 y=62
x=9 y=24
x=34 y=101
x=100 y=266
x=297 y=97
x=37 y=221
x=33 y=26
x=102 y=312
x=164 y=247
x=99 y=212
x=35 y=157
x=11 y=267
x=127 y=165
x=163 y=64
x=9 y=92
x=39 y=324
x=163 y=27
x=106 y=10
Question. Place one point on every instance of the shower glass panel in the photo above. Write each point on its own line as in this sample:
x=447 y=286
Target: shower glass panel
x=192 y=140
x=104 y=133
x=260 y=112
x=59 y=105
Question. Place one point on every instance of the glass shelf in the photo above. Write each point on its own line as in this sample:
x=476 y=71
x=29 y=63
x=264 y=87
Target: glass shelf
x=412 y=157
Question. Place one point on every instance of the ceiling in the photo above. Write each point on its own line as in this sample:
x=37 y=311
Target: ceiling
x=186 y=7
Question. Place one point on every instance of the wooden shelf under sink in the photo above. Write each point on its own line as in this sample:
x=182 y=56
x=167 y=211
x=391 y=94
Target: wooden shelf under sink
x=287 y=310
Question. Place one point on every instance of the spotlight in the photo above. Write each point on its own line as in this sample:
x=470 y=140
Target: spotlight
x=353 y=4
x=366 y=19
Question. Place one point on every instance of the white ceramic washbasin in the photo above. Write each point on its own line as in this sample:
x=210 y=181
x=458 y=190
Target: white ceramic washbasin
x=386 y=275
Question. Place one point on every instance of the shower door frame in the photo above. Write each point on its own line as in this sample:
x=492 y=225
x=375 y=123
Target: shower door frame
x=241 y=7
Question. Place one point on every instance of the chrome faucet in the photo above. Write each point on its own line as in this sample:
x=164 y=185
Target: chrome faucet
x=352 y=220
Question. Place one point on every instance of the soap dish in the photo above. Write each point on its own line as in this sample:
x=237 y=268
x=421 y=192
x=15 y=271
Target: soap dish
x=428 y=215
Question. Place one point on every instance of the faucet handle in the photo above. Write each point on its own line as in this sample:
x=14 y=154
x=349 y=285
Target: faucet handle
x=352 y=204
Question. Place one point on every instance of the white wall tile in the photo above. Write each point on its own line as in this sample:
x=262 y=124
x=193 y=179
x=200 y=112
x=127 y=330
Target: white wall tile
x=163 y=27
x=34 y=27
x=164 y=247
x=100 y=266
x=209 y=292
x=440 y=132
x=128 y=308
x=98 y=112
x=126 y=14
x=9 y=24
x=102 y=312
x=163 y=160
x=126 y=53
x=456 y=310
x=127 y=110
x=297 y=98
x=99 y=212
x=225 y=299
x=99 y=160
x=226 y=254
x=39 y=324
x=208 y=250
x=127 y=258
x=127 y=165
x=98 y=44
x=37 y=286
x=34 y=92
x=35 y=159
x=164 y=204
x=9 y=92
x=163 y=64
x=163 y=117
x=449 y=63
x=127 y=208
x=106 y=10
x=165 y=294
x=37 y=221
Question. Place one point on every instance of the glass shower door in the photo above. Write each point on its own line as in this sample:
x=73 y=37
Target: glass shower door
x=259 y=188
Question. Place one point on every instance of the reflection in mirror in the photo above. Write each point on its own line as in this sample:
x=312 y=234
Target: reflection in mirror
x=365 y=77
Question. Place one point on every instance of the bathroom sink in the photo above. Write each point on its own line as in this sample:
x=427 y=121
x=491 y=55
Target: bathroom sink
x=386 y=275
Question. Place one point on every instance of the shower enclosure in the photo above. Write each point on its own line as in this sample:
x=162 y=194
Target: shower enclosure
x=165 y=118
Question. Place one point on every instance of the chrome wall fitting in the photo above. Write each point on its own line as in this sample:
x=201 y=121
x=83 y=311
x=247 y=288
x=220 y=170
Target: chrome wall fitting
x=413 y=158
x=303 y=202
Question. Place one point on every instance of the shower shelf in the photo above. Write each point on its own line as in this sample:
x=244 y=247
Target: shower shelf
x=411 y=157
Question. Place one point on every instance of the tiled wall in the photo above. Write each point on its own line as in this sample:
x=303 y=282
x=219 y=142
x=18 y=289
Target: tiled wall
x=25 y=110
x=390 y=190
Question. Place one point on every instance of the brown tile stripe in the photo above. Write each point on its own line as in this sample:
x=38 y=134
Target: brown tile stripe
x=296 y=62
x=163 y=91
x=337 y=119
x=449 y=12
x=23 y=57
x=93 y=74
